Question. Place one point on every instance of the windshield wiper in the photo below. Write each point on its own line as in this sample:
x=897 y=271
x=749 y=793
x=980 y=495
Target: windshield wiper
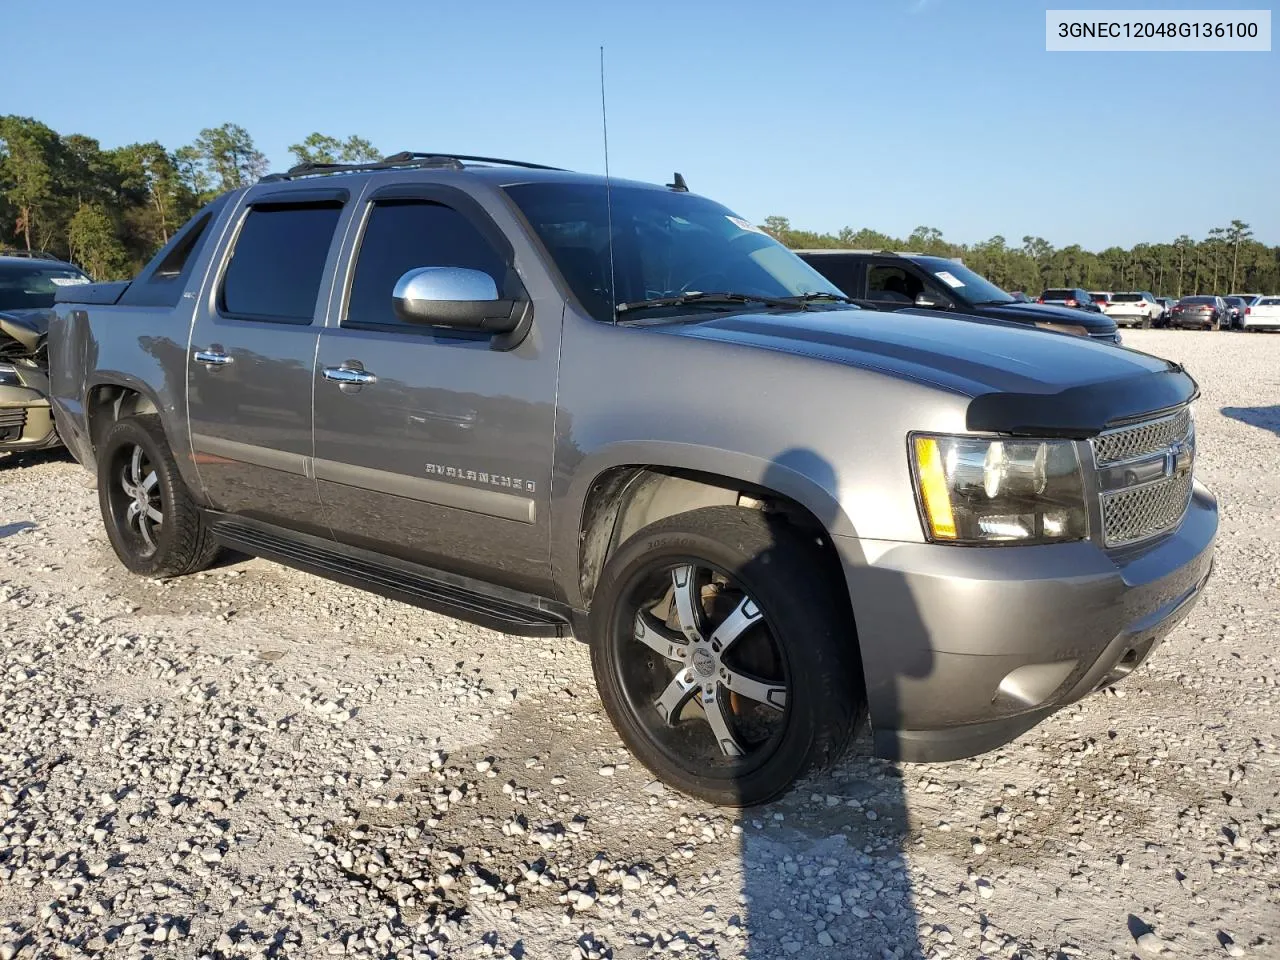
x=698 y=296
x=812 y=297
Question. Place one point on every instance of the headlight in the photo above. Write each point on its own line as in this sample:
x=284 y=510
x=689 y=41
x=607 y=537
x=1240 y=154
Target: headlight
x=978 y=490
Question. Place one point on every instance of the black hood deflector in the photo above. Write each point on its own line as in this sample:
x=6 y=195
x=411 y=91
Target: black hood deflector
x=1085 y=410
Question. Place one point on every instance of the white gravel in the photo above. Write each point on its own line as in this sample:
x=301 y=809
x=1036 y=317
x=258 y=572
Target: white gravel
x=257 y=763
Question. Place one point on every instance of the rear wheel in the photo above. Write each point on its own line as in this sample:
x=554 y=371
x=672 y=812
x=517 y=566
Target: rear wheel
x=154 y=525
x=724 y=654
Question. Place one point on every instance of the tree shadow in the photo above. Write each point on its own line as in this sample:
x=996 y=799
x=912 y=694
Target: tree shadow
x=824 y=871
x=1264 y=418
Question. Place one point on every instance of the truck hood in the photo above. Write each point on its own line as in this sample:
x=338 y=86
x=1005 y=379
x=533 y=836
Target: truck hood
x=1048 y=313
x=1021 y=380
x=28 y=327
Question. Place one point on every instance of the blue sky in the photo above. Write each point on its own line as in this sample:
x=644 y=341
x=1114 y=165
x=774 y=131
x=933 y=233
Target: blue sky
x=879 y=113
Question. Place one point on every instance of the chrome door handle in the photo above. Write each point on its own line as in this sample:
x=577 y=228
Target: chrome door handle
x=211 y=358
x=348 y=375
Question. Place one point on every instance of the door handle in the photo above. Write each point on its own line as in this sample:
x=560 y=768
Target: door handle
x=346 y=376
x=211 y=358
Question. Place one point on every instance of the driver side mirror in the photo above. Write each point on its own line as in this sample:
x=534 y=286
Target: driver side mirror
x=932 y=301
x=456 y=298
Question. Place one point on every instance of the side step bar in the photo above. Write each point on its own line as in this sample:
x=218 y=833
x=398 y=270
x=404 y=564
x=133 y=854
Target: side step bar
x=481 y=603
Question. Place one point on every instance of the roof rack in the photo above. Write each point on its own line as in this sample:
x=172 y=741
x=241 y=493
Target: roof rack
x=28 y=254
x=399 y=161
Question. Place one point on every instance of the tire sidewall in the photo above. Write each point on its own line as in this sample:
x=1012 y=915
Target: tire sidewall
x=795 y=612
x=128 y=433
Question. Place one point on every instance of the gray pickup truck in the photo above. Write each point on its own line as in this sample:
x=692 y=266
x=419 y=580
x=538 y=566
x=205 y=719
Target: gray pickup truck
x=557 y=406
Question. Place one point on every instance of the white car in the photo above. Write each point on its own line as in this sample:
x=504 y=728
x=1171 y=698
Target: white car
x=1136 y=309
x=1262 y=314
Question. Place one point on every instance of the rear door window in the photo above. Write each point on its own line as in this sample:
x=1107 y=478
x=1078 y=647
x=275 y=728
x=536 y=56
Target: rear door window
x=840 y=270
x=277 y=264
x=401 y=235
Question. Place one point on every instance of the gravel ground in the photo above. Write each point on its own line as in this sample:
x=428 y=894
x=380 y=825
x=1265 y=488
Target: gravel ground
x=256 y=763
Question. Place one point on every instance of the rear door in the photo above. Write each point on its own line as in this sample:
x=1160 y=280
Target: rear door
x=444 y=456
x=251 y=356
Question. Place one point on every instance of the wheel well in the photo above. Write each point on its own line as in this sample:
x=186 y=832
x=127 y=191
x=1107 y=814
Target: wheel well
x=108 y=404
x=626 y=499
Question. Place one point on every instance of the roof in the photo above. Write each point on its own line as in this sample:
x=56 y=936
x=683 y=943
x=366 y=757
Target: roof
x=45 y=261
x=824 y=251
x=493 y=169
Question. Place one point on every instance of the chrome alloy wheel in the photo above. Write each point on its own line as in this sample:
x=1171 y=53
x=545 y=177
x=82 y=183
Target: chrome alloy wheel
x=135 y=498
x=701 y=670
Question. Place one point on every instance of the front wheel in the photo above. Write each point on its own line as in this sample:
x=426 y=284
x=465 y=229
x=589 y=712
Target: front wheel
x=725 y=655
x=154 y=525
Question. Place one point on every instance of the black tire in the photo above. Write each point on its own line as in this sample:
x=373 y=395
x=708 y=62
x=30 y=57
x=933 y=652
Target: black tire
x=1146 y=324
x=179 y=542
x=804 y=623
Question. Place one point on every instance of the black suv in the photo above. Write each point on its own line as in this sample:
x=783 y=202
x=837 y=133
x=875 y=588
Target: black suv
x=913 y=282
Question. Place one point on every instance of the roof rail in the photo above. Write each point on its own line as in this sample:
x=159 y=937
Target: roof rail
x=29 y=254
x=398 y=161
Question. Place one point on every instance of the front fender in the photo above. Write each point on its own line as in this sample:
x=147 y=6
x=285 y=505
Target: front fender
x=798 y=473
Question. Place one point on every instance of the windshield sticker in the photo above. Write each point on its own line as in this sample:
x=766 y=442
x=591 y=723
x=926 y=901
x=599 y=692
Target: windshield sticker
x=744 y=225
x=949 y=279
x=67 y=281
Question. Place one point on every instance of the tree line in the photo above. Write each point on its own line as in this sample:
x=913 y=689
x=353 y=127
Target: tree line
x=1227 y=260
x=111 y=210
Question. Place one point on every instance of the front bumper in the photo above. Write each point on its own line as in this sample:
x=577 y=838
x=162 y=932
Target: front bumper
x=26 y=422
x=965 y=648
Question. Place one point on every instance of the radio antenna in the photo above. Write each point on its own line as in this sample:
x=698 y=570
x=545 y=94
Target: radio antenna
x=608 y=192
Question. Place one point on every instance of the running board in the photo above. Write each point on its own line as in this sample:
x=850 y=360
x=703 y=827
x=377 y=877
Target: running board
x=480 y=603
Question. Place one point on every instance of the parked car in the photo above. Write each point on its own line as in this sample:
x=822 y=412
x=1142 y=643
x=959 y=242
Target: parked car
x=1202 y=312
x=1073 y=297
x=1166 y=305
x=1235 y=310
x=1101 y=298
x=1262 y=314
x=421 y=377
x=28 y=282
x=1136 y=309
x=908 y=282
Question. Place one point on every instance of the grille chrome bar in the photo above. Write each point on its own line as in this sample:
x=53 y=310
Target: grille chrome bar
x=1150 y=436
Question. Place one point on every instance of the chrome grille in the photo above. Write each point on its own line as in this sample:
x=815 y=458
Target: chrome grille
x=1141 y=512
x=1143 y=439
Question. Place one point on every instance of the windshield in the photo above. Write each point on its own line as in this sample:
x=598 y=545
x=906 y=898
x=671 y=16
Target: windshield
x=29 y=286
x=665 y=244
x=1126 y=298
x=963 y=282
x=1196 y=300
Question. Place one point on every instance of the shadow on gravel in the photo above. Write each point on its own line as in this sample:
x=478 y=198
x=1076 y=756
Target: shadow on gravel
x=34 y=458
x=1264 y=418
x=9 y=529
x=823 y=868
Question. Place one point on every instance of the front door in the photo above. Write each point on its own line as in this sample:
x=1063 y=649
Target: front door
x=249 y=369
x=443 y=455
